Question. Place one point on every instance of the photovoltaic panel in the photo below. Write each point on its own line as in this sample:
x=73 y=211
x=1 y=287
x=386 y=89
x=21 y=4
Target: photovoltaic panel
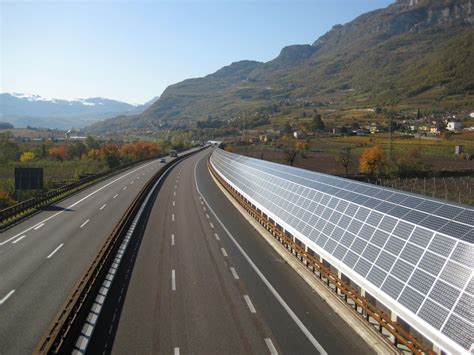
x=415 y=250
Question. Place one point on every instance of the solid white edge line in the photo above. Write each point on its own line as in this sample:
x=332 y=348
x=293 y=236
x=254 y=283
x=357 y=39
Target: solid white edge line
x=4 y=299
x=173 y=280
x=20 y=238
x=103 y=206
x=76 y=203
x=282 y=302
x=271 y=347
x=249 y=304
x=84 y=223
x=54 y=251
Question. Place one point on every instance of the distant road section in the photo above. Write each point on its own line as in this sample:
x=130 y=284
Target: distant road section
x=202 y=280
x=42 y=258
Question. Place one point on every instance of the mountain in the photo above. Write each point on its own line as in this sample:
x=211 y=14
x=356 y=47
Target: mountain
x=25 y=109
x=411 y=53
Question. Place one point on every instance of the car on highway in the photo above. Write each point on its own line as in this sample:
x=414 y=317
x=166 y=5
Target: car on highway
x=162 y=160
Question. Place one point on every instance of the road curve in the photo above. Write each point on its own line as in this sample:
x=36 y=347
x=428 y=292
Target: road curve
x=202 y=280
x=42 y=258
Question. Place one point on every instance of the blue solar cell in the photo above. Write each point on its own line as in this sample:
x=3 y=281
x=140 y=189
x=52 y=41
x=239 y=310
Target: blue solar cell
x=411 y=299
x=449 y=211
x=433 y=314
x=421 y=237
x=467 y=216
x=392 y=287
x=455 y=229
x=403 y=230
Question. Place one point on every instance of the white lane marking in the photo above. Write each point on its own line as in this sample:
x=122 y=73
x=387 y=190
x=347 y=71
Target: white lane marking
x=103 y=206
x=78 y=202
x=271 y=347
x=249 y=304
x=204 y=208
x=174 y=203
x=172 y=239
x=131 y=182
x=173 y=280
x=84 y=223
x=224 y=252
x=172 y=217
x=234 y=273
x=174 y=193
x=176 y=351
x=4 y=299
x=38 y=226
x=175 y=187
x=124 y=188
x=282 y=302
x=115 y=196
x=207 y=216
x=20 y=238
x=217 y=236
x=54 y=251
x=212 y=226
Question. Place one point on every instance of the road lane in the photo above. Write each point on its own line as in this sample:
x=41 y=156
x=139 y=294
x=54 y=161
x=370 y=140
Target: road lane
x=220 y=304
x=43 y=257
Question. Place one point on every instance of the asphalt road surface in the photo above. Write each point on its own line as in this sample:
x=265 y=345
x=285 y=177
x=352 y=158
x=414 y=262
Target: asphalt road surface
x=201 y=280
x=42 y=258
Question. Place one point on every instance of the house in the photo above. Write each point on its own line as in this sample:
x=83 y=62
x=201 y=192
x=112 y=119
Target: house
x=298 y=135
x=454 y=126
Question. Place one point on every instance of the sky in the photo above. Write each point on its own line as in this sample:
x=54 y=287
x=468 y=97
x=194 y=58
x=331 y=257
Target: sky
x=132 y=50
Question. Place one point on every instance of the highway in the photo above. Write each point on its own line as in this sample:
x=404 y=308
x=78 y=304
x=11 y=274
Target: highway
x=202 y=280
x=42 y=258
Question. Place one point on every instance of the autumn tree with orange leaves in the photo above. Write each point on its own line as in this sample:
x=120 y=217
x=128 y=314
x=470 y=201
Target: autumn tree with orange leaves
x=373 y=162
x=58 y=152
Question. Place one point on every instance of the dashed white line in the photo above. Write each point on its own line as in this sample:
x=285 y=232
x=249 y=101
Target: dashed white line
x=173 y=280
x=271 y=347
x=207 y=216
x=172 y=217
x=174 y=193
x=4 y=299
x=131 y=182
x=20 y=238
x=280 y=299
x=234 y=273
x=175 y=187
x=84 y=223
x=217 y=236
x=103 y=206
x=174 y=203
x=54 y=251
x=212 y=226
x=204 y=208
x=224 y=252
x=172 y=239
x=76 y=203
x=176 y=351
x=249 y=304
x=124 y=188
x=115 y=196
x=38 y=226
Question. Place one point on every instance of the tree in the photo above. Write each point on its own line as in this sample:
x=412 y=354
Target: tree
x=345 y=158
x=92 y=143
x=9 y=151
x=317 y=123
x=290 y=155
x=58 y=152
x=373 y=161
x=6 y=200
x=27 y=156
x=76 y=150
x=410 y=163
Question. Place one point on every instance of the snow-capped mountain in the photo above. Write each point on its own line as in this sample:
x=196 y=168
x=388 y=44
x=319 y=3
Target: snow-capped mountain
x=33 y=110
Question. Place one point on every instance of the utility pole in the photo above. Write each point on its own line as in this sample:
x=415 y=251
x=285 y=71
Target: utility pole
x=391 y=134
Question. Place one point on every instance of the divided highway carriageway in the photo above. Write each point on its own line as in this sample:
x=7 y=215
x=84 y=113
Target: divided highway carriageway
x=196 y=277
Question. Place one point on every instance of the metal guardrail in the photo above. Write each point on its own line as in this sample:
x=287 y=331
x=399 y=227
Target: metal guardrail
x=367 y=310
x=51 y=196
x=58 y=338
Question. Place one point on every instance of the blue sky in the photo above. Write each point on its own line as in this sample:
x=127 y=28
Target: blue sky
x=132 y=50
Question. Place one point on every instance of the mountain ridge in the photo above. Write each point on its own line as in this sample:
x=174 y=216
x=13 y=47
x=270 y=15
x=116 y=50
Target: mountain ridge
x=413 y=52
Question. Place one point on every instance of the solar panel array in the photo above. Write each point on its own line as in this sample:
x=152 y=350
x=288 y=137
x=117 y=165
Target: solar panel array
x=418 y=251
